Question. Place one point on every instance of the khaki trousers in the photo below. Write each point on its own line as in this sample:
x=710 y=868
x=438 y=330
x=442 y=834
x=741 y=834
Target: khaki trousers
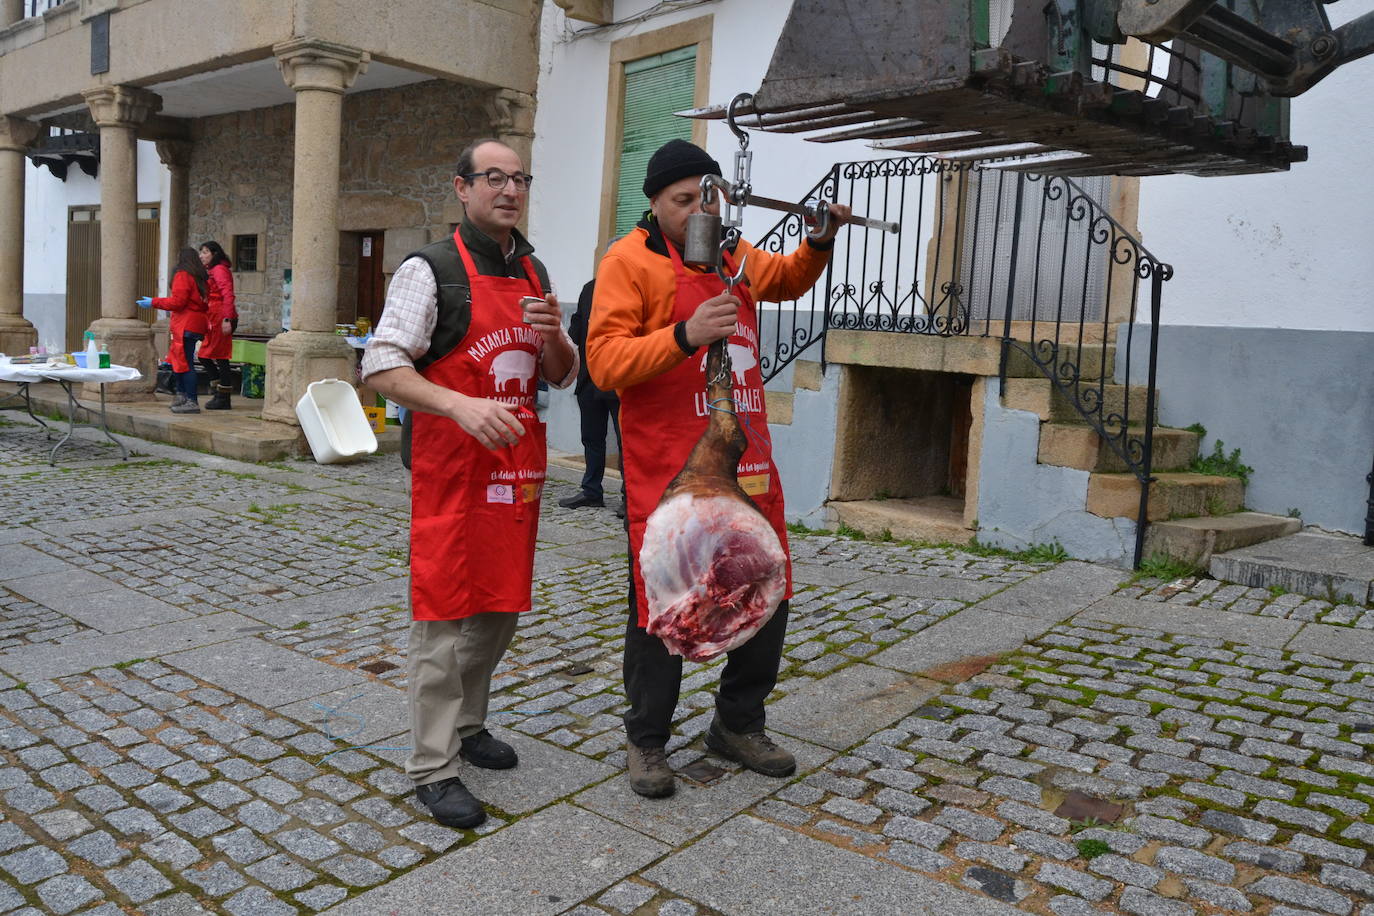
x=451 y=663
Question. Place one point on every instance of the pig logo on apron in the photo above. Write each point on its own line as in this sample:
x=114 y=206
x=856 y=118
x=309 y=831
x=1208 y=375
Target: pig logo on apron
x=741 y=361
x=517 y=365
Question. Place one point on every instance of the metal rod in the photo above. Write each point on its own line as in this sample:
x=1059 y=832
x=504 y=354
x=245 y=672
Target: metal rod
x=1369 y=513
x=1011 y=286
x=1141 y=520
x=772 y=203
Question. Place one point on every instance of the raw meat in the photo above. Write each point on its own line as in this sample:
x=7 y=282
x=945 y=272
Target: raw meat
x=714 y=570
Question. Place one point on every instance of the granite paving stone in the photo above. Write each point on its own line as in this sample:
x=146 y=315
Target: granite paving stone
x=1235 y=725
x=65 y=893
x=139 y=881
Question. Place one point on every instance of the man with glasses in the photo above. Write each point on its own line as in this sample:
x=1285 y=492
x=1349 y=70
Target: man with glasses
x=468 y=324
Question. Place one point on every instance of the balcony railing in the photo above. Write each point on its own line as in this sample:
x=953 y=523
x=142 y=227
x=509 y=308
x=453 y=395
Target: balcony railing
x=1034 y=261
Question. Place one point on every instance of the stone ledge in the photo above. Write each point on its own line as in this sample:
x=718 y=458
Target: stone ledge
x=240 y=433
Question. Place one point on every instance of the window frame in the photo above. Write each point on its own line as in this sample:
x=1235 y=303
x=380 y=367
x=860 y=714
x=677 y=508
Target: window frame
x=626 y=50
x=237 y=258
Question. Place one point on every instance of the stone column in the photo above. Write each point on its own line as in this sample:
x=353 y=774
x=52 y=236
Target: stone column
x=11 y=11
x=512 y=121
x=118 y=111
x=319 y=72
x=176 y=155
x=17 y=333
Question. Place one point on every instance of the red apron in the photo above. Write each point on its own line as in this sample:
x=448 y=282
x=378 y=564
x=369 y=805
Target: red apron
x=475 y=512
x=663 y=418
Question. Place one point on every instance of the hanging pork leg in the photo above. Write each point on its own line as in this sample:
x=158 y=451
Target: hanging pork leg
x=714 y=570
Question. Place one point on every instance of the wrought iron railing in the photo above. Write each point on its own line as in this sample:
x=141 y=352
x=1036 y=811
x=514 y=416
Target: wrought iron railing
x=1033 y=261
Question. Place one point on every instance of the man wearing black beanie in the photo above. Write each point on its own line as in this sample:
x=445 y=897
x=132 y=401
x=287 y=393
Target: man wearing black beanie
x=651 y=315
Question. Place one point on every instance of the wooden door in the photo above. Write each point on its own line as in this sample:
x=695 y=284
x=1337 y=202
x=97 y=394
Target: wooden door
x=83 y=272
x=371 y=289
x=146 y=237
x=83 y=267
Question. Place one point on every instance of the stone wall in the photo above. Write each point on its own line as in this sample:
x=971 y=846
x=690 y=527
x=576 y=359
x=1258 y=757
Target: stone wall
x=399 y=148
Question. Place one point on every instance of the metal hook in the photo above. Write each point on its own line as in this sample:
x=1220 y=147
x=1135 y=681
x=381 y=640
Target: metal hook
x=735 y=129
x=729 y=281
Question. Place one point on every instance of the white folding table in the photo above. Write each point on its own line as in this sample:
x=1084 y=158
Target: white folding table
x=67 y=376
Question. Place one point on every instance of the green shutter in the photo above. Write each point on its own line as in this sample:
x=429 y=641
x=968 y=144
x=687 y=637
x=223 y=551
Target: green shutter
x=655 y=87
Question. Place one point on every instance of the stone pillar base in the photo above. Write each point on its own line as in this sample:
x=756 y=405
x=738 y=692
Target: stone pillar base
x=297 y=358
x=17 y=334
x=130 y=342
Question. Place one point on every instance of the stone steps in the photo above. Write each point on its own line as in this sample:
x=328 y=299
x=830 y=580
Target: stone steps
x=1334 y=567
x=1196 y=540
x=1041 y=397
x=938 y=519
x=1173 y=495
x=1077 y=445
x=806 y=374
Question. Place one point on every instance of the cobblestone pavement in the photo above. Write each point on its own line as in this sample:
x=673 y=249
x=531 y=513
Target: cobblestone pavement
x=206 y=713
x=1214 y=595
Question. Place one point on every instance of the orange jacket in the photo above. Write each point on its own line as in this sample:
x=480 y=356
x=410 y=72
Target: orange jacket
x=630 y=336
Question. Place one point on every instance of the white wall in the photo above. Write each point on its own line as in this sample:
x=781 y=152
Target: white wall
x=570 y=136
x=570 y=132
x=1285 y=249
x=46 y=199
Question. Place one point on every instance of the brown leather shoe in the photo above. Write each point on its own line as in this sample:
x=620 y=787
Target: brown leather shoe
x=753 y=749
x=650 y=774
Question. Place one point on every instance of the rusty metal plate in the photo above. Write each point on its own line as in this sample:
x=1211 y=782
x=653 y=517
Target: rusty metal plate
x=701 y=772
x=379 y=667
x=1078 y=806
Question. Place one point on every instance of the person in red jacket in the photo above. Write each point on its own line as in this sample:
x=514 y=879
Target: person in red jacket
x=221 y=320
x=187 y=306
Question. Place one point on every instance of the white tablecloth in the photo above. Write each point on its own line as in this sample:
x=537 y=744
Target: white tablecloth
x=24 y=373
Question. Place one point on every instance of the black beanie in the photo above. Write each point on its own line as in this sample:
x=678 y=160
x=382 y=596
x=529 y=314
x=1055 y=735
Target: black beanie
x=673 y=161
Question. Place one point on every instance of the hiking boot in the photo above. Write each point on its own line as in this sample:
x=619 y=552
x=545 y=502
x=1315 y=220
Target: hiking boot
x=753 y=749
x=221 y=399
x=482 y=750
x=650 y=774
x=186 y=406
x=177 y=399
x=451 y=803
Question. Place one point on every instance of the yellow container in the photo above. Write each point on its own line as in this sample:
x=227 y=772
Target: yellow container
x=376 y=418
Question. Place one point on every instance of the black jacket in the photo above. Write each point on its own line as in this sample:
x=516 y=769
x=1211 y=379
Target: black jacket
x=577 y=330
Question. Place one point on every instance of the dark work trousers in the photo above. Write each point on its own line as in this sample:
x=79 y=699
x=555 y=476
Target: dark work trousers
x=653 y=679
x=186 y=381
x=595 y=410
x=218 y=369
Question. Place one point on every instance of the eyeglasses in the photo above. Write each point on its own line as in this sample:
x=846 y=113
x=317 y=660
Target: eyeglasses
x=496 y=179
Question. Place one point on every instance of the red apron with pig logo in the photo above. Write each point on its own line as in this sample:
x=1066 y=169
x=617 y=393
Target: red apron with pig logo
x=474 y=511
x=666 y=415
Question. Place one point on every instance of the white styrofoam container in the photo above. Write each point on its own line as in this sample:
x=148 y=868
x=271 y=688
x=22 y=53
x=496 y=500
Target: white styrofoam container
x=334 y=423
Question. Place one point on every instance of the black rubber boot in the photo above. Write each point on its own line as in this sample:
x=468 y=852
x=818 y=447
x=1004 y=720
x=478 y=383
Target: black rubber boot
x=221 y=399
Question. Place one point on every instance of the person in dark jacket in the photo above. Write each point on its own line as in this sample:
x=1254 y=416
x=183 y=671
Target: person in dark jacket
x=595 y=408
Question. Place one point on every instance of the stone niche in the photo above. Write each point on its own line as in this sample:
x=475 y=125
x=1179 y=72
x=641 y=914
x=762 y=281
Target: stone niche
x=902 y=433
